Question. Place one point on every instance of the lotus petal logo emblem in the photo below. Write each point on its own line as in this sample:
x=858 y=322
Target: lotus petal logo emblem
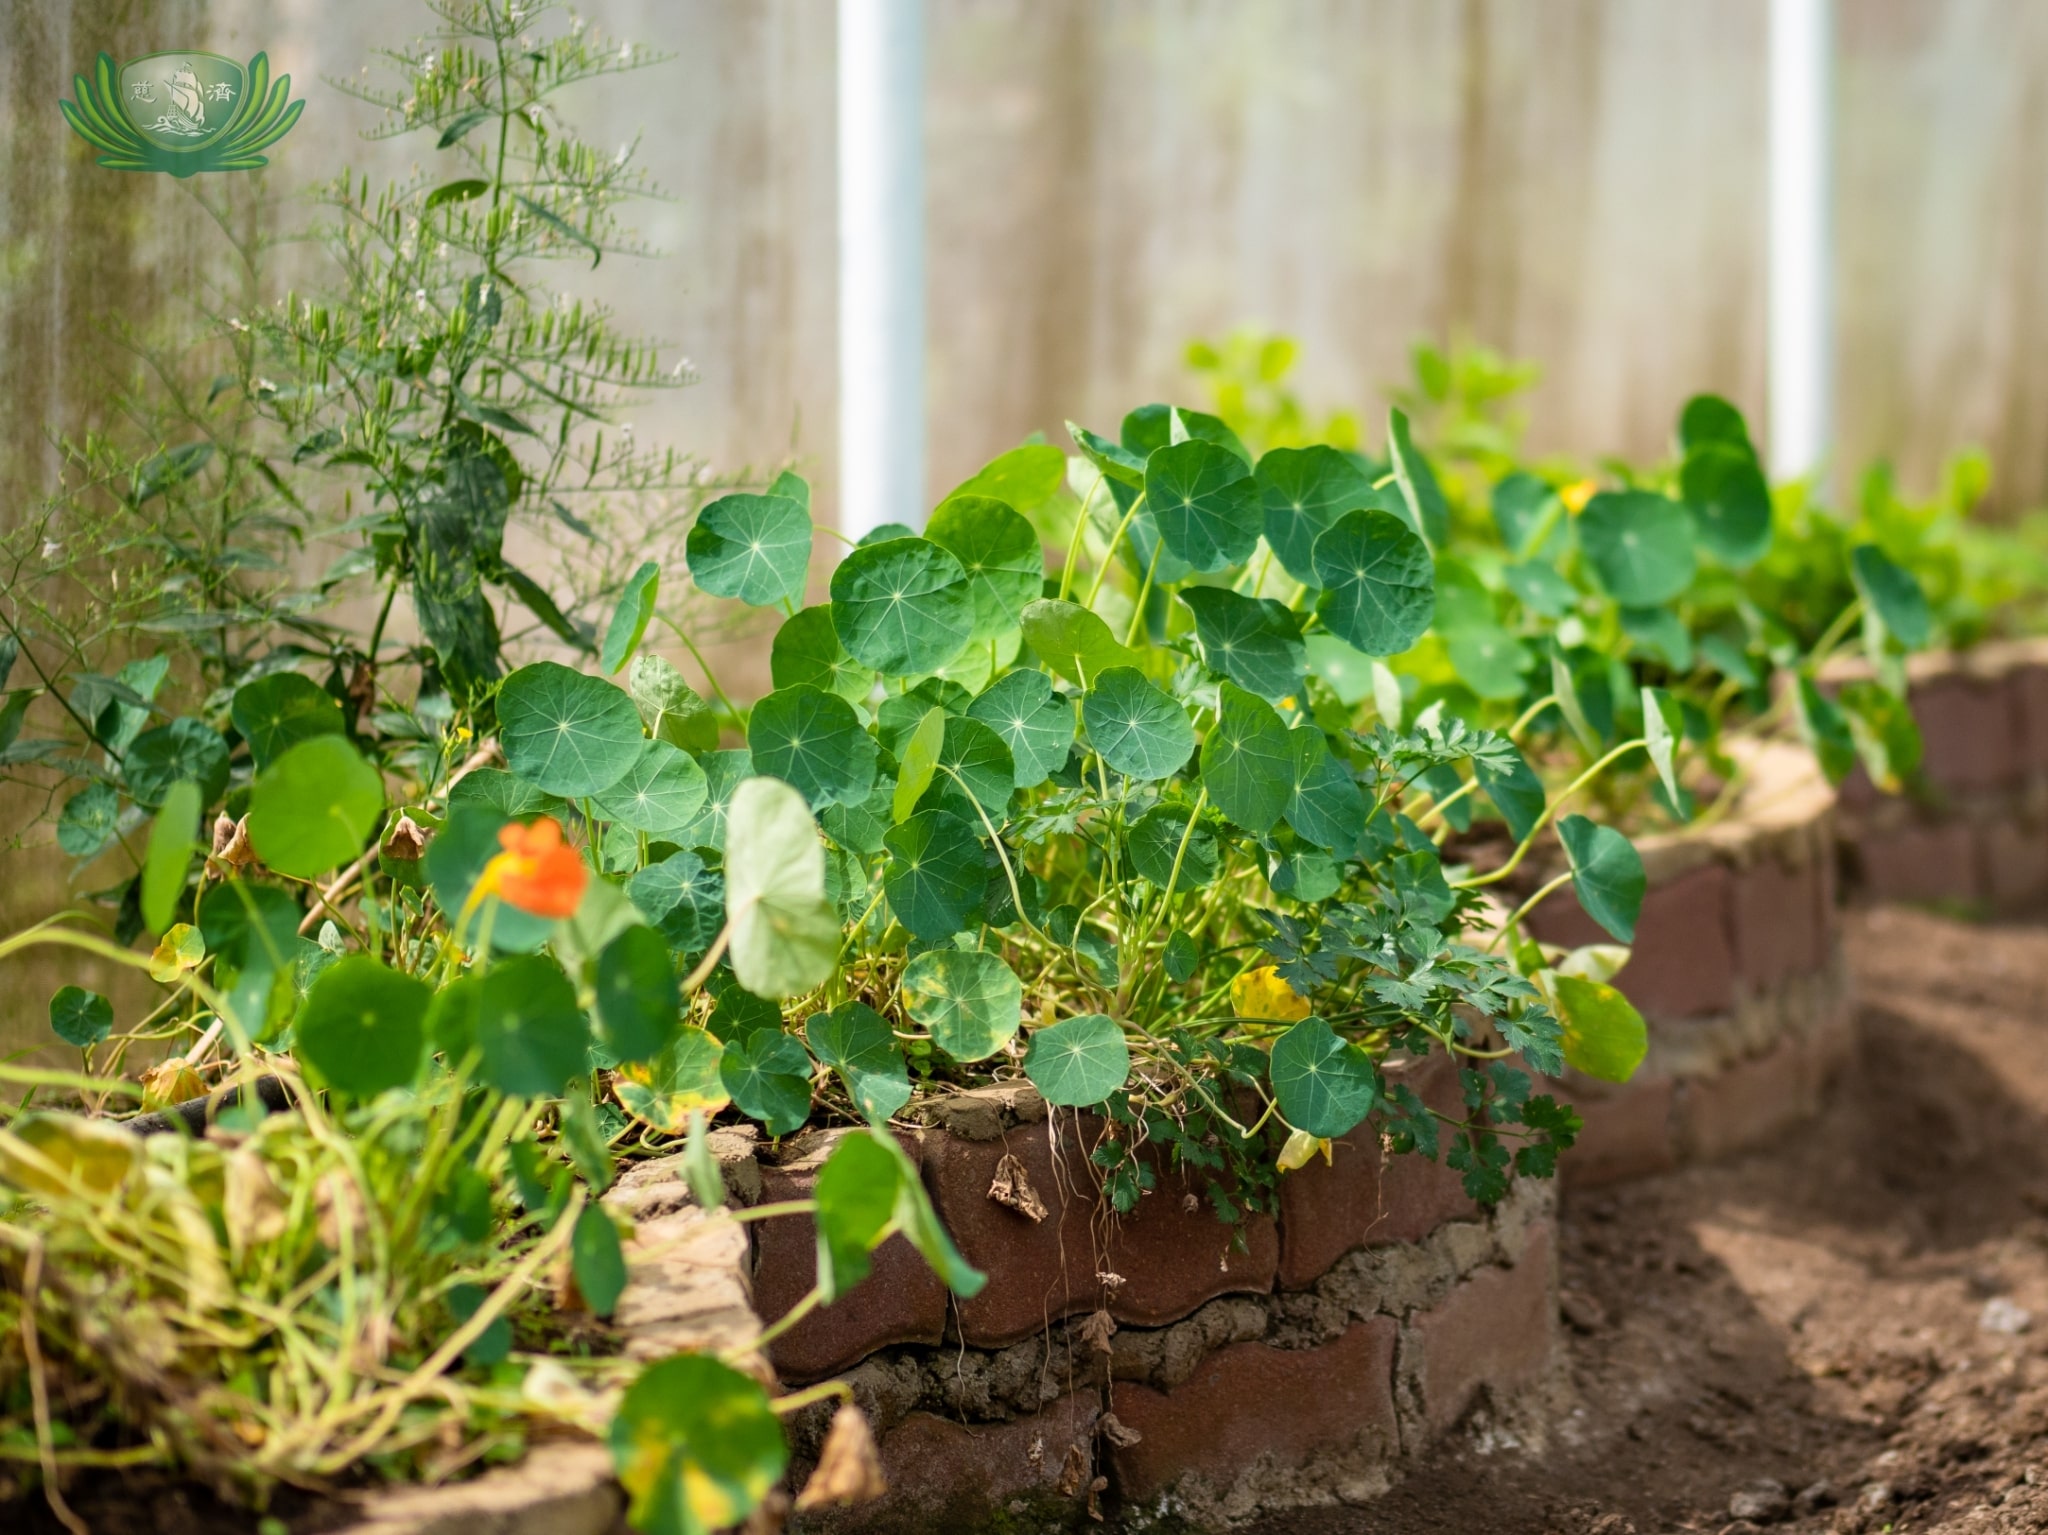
x=182 y=112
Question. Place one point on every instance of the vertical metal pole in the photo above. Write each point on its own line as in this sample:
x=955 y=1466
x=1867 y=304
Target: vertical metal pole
x=1802 y=381
x=881 y=264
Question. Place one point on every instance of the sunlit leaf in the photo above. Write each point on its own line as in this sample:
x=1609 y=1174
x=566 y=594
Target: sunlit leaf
x=1303 y=491
x=1073 y=641
x=1428 y=514
x=315 y=807
x=696 y=1445
x=1325 y=1085
x=1248 y=760
x=855 y=1041
x=768 y=1074
x=814 y=740
x=165 y=862
x=903 y=607
x=1000 y=553
x=755 y=548
x=1139 y=730
x=1206 y=504
x=1604 y=1036
x=1079 y=1061
x=1255 y=642
x=785 y=934
x=565 y=731
x=1035 y=724
x=970 y=1001
x=281 y=710
x=662 y=792
x=1379 y=591
x=634 y=611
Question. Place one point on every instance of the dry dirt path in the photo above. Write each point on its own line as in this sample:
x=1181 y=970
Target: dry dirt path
x=1860 y=1315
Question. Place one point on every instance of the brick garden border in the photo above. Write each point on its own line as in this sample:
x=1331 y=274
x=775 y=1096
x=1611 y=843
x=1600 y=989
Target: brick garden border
x=1976 y=834
x=1139 y=1367
x=1738 y=968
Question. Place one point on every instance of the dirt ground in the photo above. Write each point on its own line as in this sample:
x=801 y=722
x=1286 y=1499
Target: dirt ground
x=1847 y=1333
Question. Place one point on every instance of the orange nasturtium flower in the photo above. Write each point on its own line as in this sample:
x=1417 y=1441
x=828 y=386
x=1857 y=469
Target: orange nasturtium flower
x=538 y=872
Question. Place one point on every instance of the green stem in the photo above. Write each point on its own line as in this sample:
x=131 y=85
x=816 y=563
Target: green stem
x=1144 y=592
x=1109 y=554
x=1515 y=918
x=1080 y=532
x=1549 y=813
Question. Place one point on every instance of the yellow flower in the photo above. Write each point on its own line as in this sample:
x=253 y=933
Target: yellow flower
x=1261 y=993
x=1577 y=494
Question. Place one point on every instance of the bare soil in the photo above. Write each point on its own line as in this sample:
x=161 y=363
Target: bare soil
x=1859 y=1315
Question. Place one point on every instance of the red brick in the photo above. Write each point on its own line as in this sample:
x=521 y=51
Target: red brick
x=1328 y=1209
x=1417 y=1195
x=1749 y=1104
x=1250 y=1401
x=1494 y=1333
x=1969 y=731
x=1920 y=861
x=1628 y=1132
x=901 y=1300
x=945 y=1477
x=1037 y=1271
x=1775 y=910
x=1174 y=1253
x=2013 y=853
x=1683 y=959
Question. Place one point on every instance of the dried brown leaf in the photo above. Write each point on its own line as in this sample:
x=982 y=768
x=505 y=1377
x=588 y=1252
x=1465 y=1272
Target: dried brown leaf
x=849 y=1468
x=1012 y=1187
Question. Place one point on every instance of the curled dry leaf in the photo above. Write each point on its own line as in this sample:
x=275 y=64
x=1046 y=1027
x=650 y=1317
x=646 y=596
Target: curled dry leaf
x=1117 y=1432
x=223 y=833
x=1073 y=1473
x=252 y=1207
x=1097 y=1328
x=1012 y=1187
x=406 y=842
x=849 y=1468
x=172 y=1081
x=1109 y=1281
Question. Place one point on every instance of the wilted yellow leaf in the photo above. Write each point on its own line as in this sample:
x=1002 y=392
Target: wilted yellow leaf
x=179 y=950
x=1261 y=993
x=1301 y=1149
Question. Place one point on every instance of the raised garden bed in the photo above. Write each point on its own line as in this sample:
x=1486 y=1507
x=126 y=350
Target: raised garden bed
x=1976 y=836
x=1737 y=966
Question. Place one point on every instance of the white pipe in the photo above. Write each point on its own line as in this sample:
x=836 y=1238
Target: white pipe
x=881 y=264
x=1802 y=380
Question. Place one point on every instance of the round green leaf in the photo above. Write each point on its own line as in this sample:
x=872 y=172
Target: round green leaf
x=1523 y=508
x=785 y=934
x=755 y=548
x=857 y=1192
x=1073 y=641
x=1894 y=594
x=566 y=732
x=813 y=739
x=669 y=704
x=1035 y=724
x=315 y=807
x=639 y=1003
x=1254 y=641
x=631 y=616
x=1488 y=660
x=768 y=1075
x=1140 y=731
x=1540 y=589
x=533 y=1037
x=364 y=1025
x=80 y=1017
x=1607 y=874
x=172 y=841
x=1604 y=1036
x=682 y=1078
x=1023 y=478
x=1325 y=1085
x=1248 y=760
x=936 y=873
x=1639 y=545
x=1707 y=418
x=597 y=1260
x=1181 y=958
x=1724 y=486
x=970 y=1001
x=1379 y=591
x=855 y=1041
x=281 y=710
x=183 y=749
x=661 y=793
x=1205 y=502
x=807 y=650
x=903 y=607
x=683 y=899
x=1324 y=803
x=1000 y=553
x=1079 y=1061
x=1154 y=842
x=497 y=790
x=724 y=772
x=974 y=769
x=1151 y=427
x=87 y=821
x=1304 y=491
x=696 y=1445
